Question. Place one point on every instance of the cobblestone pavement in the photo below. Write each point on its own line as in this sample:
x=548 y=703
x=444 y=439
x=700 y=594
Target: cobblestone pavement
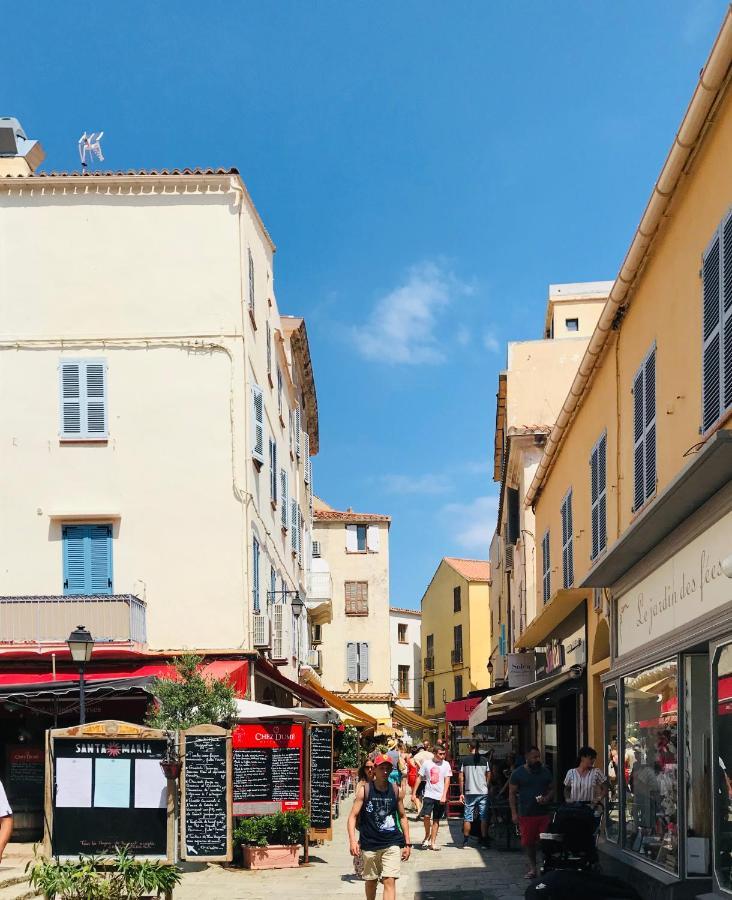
x=451 y=874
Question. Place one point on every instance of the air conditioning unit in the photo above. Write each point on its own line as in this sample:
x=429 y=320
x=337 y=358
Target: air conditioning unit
x=316 y=549
x=262 y=639
x=315 y=659
x=509 y=558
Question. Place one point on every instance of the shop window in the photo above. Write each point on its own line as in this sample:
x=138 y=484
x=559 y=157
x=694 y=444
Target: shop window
x=650 y=757
x=696 y=770
x=722 y=680
x=613 y=766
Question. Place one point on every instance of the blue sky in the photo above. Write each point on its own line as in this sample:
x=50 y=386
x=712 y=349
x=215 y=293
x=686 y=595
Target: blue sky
x=426 y=170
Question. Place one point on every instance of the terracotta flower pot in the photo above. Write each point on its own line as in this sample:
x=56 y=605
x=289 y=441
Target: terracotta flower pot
x=276 y=856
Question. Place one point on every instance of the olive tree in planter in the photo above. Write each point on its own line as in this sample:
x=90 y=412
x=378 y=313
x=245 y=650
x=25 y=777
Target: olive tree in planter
x=190 y=698
x=272 y=842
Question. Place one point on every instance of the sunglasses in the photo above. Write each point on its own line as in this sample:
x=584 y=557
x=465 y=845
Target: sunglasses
x=369 y=767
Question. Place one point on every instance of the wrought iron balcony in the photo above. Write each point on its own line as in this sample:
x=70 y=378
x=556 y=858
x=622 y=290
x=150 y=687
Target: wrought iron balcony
x=429 y=664
x=49 y=620
x=456 y=656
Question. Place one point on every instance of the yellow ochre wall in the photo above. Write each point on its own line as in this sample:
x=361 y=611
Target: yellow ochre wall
x=665 y=308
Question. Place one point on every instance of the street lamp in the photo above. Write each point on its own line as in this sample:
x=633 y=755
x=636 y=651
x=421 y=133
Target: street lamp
x=297 y=607
x=81 y=644
x=490 y=671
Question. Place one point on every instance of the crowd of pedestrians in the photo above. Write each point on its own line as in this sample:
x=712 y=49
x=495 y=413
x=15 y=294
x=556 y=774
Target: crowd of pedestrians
x=419 y=780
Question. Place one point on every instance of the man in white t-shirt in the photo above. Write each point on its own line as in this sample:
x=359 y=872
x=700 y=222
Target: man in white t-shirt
x=435 y=774
x=6 y=821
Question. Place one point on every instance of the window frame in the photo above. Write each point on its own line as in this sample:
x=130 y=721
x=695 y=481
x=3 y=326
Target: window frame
x=402 y=635
x=567 y=541
x=84 y=434
x=649 y=430
x=575 y=321
x=721 y=332
x=403 y=684
x=256 y=597
x=86 y=528
x=251 y=283
x=365 y=530
x=546 y=570
x=457 y=679
x=456 y=599
x=430 y=695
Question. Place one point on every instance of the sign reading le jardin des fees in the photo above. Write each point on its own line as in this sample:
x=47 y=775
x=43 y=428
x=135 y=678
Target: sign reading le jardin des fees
x=680 y=590
x=206 y=794
x=268 y=768
x=105 y=789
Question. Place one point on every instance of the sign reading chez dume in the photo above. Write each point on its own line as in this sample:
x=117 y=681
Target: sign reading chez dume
x=688 y=585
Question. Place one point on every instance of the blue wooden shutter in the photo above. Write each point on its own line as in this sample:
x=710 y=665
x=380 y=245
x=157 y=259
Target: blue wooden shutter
x=70 y=399
x=257 y=423
x=100 y=559
x=74 y=555
x=284 y=512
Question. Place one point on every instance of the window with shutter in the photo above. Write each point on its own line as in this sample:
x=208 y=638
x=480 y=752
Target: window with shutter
x=598 y=496
x=363 y=661
x=272 y=586
x=284 y=511
x=255 y=575
x=297 y=426
x=251 y=283
x=279 y=391
x=644 y=431
x=361 y=538
x=269 y=350
x=357 y=598
x=351 y=539
x=278 y=650
x=372 y=538
x=273 y=471
x=257 y=423
x=306 y=464
x=567 y=541
x=83 y=399
x=87 y=559
x=351 y=661
x=546 y=568
x=430 y=695
x=293 y=525
x=456 y=599
x=717 y=325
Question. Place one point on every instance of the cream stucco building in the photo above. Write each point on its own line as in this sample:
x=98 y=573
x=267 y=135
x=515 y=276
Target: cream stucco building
x=351 y=557
x=156 y=460
x=406 y=661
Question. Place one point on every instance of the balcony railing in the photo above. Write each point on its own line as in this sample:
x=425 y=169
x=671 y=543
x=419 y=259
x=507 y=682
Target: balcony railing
x=320 y=586
x=456 y=656
x=50 y=620
x=429 y=664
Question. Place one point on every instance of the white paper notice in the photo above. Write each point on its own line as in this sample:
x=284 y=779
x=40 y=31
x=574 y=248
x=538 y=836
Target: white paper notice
x=73 y=782
x=151 y=785
x=112 y=783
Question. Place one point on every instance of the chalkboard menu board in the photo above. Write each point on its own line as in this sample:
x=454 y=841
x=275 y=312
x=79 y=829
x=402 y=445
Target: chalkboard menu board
x=267 y=768
x=108 y=791
x=206 y=789
x=321 y=776
x=24 y=772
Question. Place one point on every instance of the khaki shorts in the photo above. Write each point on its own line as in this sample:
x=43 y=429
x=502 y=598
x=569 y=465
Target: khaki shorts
x=384 y=863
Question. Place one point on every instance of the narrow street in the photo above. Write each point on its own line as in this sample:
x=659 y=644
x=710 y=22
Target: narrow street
x=451 y=874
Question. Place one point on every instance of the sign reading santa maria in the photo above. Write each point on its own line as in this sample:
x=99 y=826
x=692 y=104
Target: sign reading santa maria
x=268 y=768
x=107 y=789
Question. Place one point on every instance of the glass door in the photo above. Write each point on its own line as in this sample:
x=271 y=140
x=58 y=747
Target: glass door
x=722 y=764
x=697 y=776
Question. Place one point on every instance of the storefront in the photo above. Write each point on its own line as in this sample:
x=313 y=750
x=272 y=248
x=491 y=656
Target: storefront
x=668 y=694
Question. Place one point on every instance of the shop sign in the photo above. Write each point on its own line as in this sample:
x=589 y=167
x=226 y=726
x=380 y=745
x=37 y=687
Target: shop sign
x=683 y=588
x=521 y=669
x=554 y=656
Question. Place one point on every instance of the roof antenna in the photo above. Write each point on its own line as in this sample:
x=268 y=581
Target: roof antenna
x=89 y=147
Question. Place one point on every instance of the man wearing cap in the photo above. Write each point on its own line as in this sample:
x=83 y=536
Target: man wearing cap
x=382 y=843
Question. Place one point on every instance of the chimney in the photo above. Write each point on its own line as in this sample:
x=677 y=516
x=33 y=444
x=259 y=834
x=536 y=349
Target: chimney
x=18 y=155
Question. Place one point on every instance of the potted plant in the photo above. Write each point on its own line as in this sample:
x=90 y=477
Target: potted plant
x=94 y=878
x=272 y=842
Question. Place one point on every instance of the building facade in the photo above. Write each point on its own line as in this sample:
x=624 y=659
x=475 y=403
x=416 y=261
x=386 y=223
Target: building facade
x=351 y=553
x=455 y=635
x=634 y=502
x=406 y=660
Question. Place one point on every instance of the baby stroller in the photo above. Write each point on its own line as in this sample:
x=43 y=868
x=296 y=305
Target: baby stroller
x=571 y=842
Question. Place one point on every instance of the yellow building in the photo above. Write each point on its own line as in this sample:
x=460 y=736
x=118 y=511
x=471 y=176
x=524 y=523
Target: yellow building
x=633 y=507
x=456 y=636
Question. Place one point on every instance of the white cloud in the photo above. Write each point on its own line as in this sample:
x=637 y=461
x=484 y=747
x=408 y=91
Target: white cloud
x=490 y=342
x=463 y=336
x=472 y=524
x=402 y=327
x=421 y=484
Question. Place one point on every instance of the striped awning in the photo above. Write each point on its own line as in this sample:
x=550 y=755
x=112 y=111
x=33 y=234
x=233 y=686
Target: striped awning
x=409 y=719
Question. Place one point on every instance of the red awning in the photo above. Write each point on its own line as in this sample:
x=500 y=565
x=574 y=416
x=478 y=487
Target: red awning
x=305 y=694
x=459 y=710
x=236 y=670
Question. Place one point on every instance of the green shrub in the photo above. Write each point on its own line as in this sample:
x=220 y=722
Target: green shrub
x=280 y=828
x=95 y=878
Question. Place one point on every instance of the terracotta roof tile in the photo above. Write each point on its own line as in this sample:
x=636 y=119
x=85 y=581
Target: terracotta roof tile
x=471 y=569
x=128 y=172
x=402 y=609
x=335 y=515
